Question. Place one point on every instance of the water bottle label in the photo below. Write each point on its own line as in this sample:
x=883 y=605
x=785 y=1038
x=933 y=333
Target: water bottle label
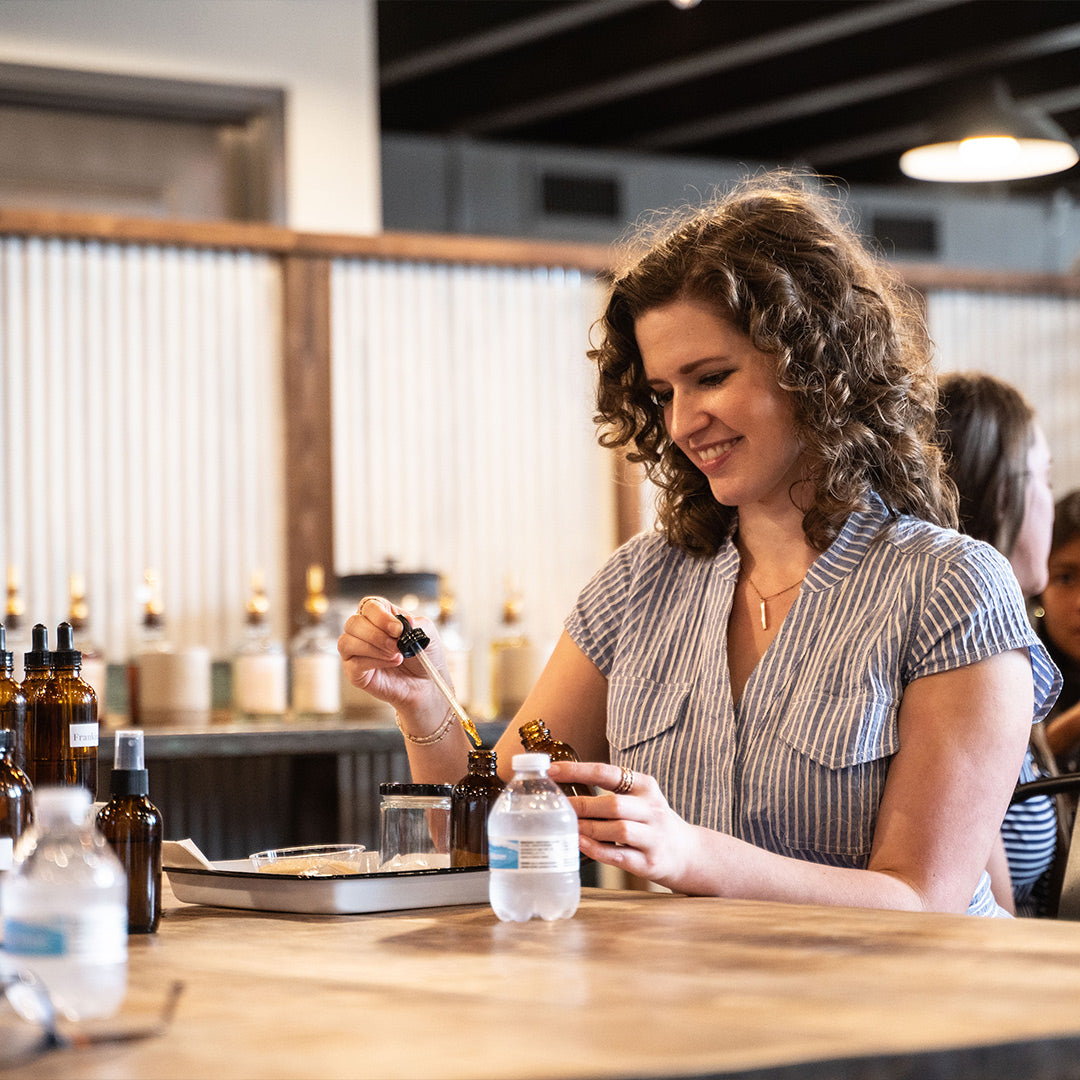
x=33 y=939
x=97 y=936
x=82 y=734
x=558 y=854
x=7 y=848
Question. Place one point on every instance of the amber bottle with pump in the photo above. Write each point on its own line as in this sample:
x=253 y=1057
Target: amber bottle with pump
x=132 y=825
x=537 y=739
x=470 y=803
x=64 y=722
x=16 y=799
x=12 y=703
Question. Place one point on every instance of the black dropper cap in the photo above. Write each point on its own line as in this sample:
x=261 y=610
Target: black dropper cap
x=66 y=655
x=38 y=658
x=412 y=639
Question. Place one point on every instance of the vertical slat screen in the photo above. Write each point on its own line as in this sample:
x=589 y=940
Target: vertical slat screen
x=141 y=413
x=1032 y=342
x=463 y=438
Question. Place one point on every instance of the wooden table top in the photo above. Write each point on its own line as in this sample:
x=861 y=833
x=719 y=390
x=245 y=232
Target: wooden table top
x=636 y=985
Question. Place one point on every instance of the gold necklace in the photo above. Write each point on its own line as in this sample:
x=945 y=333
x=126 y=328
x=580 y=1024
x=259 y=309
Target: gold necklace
x=772 y=596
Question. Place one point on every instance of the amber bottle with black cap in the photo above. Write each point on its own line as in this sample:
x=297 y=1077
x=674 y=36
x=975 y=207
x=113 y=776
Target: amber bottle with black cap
x=64 y=722
x=42 y=749
x=16 y=800
x=132 y=825
x=12 y=703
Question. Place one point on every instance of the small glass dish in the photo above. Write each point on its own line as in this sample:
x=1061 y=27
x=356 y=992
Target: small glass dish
x=316 y=860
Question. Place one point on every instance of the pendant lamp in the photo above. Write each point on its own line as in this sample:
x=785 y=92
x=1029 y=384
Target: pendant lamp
x=996 y=139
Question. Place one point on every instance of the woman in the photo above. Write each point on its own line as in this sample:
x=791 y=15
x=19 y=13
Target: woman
x=999 y=459
x=787 y=688
x=1058 y=623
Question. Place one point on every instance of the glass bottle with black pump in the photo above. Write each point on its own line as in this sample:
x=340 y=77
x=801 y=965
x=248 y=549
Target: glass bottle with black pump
x=133 y=827
x=470 y=803
x=64 y=740
x=12 y=703
x=16 y=799
x=537 y=739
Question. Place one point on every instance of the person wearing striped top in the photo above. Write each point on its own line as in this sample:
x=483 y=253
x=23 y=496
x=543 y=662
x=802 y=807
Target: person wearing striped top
x=999 y=459
x=803 y=685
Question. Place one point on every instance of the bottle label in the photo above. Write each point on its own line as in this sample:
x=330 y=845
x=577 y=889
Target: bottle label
x=82 y=734
x=97 y=936
x=7 y=849
x=555 y=854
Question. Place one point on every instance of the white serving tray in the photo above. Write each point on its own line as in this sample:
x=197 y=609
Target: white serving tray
x=234 y=884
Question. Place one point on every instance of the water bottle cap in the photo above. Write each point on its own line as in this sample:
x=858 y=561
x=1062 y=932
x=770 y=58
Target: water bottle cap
x=53 y=804
x=531 y=762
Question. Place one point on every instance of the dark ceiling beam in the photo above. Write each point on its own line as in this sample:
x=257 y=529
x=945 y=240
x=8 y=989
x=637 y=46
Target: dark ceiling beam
x=509 y=36
x=840 y=95
x=725 y=57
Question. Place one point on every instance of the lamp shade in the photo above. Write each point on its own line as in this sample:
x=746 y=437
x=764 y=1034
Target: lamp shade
x=996 y=140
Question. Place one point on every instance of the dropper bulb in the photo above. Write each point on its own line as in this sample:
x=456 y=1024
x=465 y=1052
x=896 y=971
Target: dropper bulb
x=65 y=637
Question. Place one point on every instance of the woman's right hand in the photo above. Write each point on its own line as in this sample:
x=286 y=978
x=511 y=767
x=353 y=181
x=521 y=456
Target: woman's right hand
x=368 y=647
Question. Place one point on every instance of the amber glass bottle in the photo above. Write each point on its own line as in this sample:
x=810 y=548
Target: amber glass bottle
x=37 y=670
x=16 y=799
x=64 y=722
x=132 y=825
x=12 y=704
x=536 y=738
x=470 y=803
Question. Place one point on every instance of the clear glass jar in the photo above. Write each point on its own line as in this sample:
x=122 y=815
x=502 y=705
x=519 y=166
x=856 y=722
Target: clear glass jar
x=414 y=826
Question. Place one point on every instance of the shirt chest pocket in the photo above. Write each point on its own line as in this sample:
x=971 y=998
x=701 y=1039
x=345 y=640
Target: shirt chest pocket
x=642 y=717
x=832 y=758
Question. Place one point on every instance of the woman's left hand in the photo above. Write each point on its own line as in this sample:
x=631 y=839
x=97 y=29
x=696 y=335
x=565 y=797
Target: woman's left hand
x=635 y=830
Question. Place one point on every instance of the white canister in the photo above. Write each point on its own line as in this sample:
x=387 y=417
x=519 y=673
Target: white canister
x=175 y=687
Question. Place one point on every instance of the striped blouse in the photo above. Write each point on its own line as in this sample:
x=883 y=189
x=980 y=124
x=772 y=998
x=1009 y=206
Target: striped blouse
x=798 y=766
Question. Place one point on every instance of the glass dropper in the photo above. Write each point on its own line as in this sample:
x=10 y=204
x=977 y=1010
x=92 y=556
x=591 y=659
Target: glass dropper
x=412 y=642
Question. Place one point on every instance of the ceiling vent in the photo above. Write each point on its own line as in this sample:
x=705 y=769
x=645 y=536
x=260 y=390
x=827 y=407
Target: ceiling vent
x=596 y=197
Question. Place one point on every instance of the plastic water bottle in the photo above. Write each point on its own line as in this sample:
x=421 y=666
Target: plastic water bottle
x=533 y=847
x=64 y=905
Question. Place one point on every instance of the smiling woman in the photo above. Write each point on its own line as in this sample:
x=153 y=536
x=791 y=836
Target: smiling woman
x=800 y=687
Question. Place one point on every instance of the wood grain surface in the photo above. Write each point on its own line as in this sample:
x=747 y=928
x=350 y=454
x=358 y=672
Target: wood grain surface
x=636 y=985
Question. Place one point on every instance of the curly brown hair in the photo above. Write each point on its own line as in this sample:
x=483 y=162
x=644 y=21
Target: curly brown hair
x=775 y=259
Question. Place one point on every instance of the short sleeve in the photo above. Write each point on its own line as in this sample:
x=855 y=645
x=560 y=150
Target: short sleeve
x=974 y=610
x=595 y=621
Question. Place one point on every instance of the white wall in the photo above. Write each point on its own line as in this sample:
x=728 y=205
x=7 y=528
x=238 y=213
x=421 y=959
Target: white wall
x=321 y=52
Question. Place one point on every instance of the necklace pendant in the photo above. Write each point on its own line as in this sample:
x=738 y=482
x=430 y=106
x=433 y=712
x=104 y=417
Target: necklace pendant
x=764 y=621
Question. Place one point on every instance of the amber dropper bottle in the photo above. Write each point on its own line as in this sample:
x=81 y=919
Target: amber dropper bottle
x=132 y=825
x=537 y=739
x=12 y=704
x=66 y=713
x=44 y=747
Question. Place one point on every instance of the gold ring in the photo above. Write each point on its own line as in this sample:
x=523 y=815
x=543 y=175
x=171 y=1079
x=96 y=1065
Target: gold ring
x=626 y=782
x=360 y=609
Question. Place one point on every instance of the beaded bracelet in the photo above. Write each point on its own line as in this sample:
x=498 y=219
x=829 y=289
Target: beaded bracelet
x=434 y=737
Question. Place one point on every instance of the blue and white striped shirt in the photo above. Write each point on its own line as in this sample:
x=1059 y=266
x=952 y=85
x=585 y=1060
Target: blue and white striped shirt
x=799 y=765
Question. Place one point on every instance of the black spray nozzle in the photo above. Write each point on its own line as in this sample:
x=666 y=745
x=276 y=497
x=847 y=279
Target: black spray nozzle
x=39 y=655
x=412 y=639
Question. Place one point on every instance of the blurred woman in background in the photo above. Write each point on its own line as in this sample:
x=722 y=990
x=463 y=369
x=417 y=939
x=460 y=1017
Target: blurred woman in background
x=999 y=460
